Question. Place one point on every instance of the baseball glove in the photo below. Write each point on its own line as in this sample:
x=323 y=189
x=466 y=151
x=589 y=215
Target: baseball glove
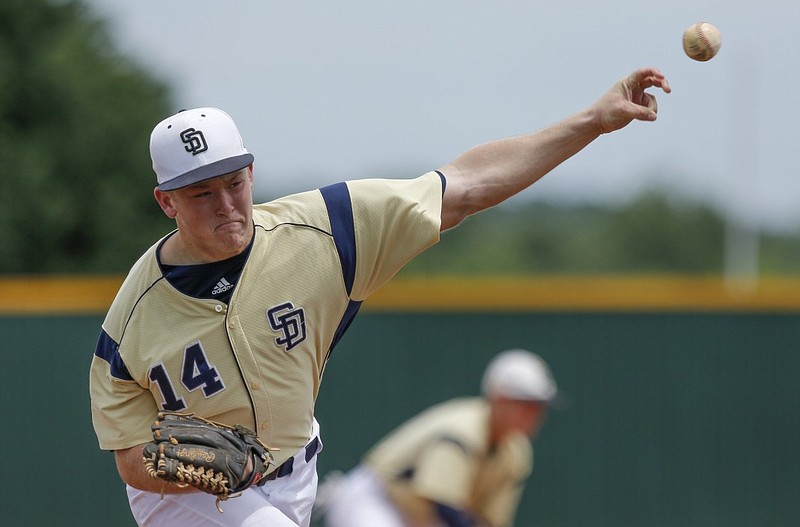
x=213 y=457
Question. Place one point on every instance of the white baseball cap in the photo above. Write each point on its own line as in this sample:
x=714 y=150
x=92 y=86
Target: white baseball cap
x=519 y=374
x=195 y=145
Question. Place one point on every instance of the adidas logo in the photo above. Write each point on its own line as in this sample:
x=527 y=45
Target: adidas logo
x=222 y=286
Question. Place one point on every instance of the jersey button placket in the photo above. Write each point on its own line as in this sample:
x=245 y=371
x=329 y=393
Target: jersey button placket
x=236 y=336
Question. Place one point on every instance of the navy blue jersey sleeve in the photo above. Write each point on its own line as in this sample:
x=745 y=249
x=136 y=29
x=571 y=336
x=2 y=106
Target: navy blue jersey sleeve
x=454 y=517
x=444 y=181
x=108 y=350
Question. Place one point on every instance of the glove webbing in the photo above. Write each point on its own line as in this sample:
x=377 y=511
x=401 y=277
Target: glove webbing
x=208 y=480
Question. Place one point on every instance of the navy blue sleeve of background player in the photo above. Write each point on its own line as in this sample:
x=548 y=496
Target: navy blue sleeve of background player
x=454 y=517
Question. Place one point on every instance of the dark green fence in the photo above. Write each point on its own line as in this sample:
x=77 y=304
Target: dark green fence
x=674 y=419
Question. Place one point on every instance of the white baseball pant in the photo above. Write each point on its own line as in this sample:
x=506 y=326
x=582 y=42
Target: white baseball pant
x=359 y=500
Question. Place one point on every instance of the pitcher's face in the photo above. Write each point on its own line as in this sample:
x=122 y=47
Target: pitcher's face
x=215 y=216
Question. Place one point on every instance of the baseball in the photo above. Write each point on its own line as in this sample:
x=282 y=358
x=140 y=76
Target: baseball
x=701 y=41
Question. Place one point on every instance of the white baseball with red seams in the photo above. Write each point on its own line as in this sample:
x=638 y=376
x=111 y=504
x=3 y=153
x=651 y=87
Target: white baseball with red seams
x=701 y=41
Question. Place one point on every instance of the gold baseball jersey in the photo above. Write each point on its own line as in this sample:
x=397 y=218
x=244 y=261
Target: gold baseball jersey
x=443 y=455
x=258 y=359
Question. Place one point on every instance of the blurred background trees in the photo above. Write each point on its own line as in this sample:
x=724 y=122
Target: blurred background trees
x=75 y=118
x=656 y=232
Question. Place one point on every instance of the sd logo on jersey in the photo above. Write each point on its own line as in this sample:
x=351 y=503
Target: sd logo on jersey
x=290 y=322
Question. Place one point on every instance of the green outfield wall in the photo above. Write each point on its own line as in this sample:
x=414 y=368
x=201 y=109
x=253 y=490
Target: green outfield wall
x=684 y=414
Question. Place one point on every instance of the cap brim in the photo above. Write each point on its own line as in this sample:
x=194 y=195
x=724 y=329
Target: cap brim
x=212 y=170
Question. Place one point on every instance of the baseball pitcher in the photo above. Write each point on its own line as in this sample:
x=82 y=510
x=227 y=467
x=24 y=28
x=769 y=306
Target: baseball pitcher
x=210 y=358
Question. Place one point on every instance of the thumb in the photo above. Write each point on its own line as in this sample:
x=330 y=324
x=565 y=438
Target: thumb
x=643 y=113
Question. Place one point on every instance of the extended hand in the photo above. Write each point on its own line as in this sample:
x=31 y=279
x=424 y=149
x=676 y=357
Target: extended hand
x=627 y=100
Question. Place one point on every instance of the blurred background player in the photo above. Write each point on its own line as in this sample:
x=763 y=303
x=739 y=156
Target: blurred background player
x=462 y=463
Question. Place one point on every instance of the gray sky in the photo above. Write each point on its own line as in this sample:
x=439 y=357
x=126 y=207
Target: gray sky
x=325 y=91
